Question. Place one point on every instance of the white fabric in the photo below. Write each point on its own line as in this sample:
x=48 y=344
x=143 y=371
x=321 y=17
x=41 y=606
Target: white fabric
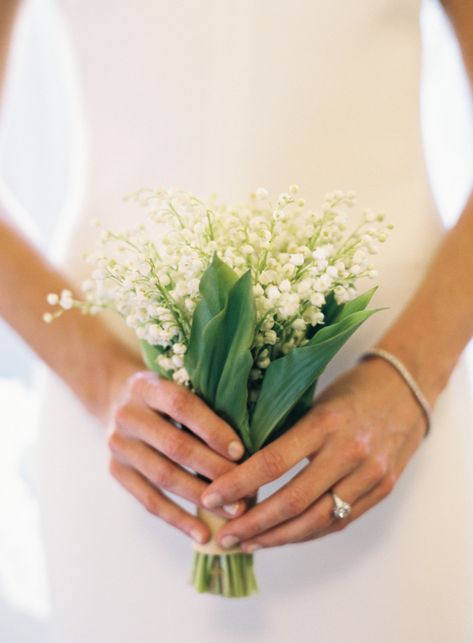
x=229 y=95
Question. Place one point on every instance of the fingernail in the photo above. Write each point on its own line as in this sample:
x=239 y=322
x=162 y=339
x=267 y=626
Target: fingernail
x=197 y=535
x=251 y=548
x=212 y=500
x=235 y=449
x=231 y=509
x=229 y=541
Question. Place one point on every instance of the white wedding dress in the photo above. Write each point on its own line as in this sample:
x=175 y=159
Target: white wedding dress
x=229 y=95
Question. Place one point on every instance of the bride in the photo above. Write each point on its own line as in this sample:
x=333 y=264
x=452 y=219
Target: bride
x=227 y=96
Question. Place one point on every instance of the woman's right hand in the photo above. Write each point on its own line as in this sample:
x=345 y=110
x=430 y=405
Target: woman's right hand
x=150 y=453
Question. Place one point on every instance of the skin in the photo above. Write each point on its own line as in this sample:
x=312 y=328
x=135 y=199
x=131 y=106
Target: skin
x=357 y=439
x=365 y=427
x=147 y=452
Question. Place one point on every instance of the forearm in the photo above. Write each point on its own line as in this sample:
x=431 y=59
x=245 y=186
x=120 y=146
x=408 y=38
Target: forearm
x=79 y=348
x=8 y=13
x=437 y=322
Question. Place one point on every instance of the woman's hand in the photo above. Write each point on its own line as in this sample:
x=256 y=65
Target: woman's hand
x=150 y=453
x=358 y=437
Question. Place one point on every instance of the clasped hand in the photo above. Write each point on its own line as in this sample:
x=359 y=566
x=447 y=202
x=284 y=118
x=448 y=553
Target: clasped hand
x=357 y=438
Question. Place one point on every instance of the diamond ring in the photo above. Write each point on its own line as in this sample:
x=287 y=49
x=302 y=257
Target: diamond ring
x=341 y=508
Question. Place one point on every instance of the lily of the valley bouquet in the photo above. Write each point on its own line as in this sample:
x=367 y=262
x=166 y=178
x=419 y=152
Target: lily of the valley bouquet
x=244 y=304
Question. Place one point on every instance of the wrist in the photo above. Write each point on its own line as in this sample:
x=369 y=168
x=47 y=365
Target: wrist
x=113 y=364
x=396 y=394
x=421 y=360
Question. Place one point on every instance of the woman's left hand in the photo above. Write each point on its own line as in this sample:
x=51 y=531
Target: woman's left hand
x=358 y=437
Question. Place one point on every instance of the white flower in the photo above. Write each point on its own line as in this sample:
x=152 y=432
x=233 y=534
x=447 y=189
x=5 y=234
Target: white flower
x=299 y=324
x=263 y=362
x=179 y=348
x=150 y=274
x=177 y=361
x=65 y=300
x=270 y=337
x=181 y=376
x=273 y=292
x=297 y=259
x=132 y=321
x=255 y=374
x=322 y=283
x=285 y=285
x=261 y=193
x=317 y=299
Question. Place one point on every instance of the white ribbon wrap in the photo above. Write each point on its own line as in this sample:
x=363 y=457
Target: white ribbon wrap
x=214 y=523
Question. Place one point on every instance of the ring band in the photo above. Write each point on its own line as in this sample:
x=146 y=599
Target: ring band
x=341 y=507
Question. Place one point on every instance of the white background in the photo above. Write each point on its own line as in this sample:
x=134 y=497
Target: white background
x=36 y=146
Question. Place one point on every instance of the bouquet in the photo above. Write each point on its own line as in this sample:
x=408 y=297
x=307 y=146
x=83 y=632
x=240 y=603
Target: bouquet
x=245 y=304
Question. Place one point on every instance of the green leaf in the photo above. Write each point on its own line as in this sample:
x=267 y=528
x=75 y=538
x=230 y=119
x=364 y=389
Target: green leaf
x=298 y=410
x=219 y=358
x=289 y=377
x=356 y=304
x=214 y=286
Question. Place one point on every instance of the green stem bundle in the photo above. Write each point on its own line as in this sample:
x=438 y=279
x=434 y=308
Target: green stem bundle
x=217 y=571
x=229 y=575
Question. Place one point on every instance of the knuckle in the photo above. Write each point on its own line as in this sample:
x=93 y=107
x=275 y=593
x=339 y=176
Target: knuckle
x=177 y=447
x=295 y=500
x=178 y=401
x=272 y=462
x=121 y=414
x=151 y=503
x=377 y=468
x=135 y=383
x=164 y=476
x=113 y=468
x=114 y=441
x=388 y=483
x=329 y=417
x=358 y=449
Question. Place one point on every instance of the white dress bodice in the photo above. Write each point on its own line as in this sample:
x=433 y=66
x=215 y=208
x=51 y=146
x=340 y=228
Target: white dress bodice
x=226 y=96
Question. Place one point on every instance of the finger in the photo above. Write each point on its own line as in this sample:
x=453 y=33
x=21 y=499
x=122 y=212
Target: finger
x=141 y=422
x=318 y=516
x=266 y=465
x=325 y=470
x=384 y=488
x=157 y=503
x=161 y=472
x=188 y=409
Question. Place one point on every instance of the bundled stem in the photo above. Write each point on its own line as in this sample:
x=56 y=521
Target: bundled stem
x=228 y=573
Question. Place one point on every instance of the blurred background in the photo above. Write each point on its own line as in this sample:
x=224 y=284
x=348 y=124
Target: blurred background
x=39 y=147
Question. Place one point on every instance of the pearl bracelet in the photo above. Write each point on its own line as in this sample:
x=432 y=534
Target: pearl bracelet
x=406 y=375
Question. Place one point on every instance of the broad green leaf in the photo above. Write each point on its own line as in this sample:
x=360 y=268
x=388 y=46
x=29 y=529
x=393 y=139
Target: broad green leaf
x=219 y=357
x=288 y=378
x=298 y=410
x=238 y=324
x=214 y=287
x=356 y=304
x=215 y=284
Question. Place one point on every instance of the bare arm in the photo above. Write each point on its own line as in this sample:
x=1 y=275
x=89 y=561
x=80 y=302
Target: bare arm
x=366 y=425
x=437 y=323
x=8 y=12
x=147 y=450
x=79 y=349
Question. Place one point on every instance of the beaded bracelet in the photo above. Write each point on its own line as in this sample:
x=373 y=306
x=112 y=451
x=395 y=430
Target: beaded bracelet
x=406 y=375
